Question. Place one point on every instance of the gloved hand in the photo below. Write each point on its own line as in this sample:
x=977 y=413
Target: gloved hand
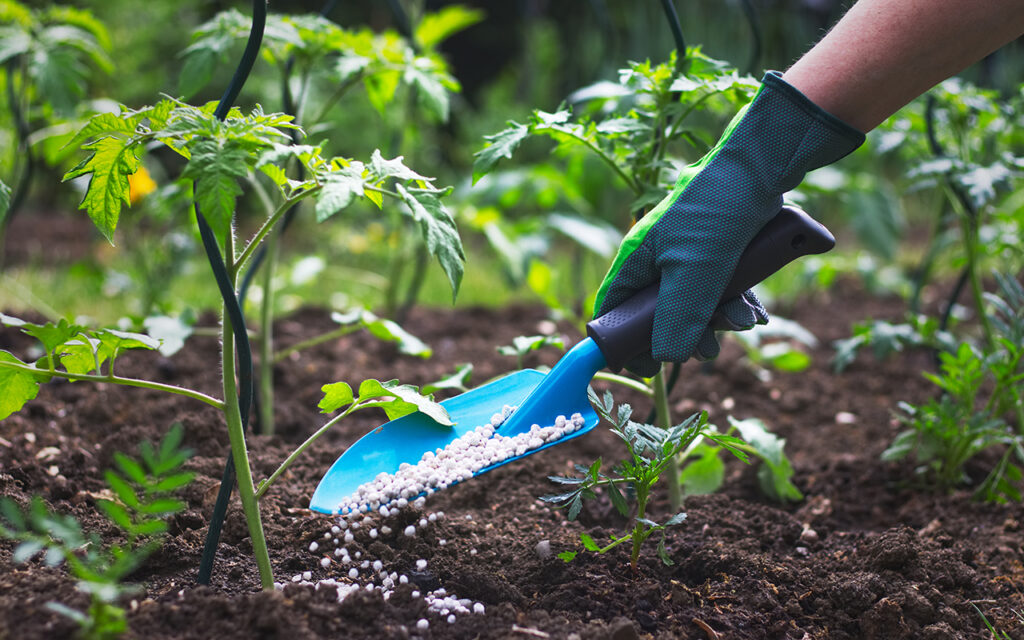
x=693 y=239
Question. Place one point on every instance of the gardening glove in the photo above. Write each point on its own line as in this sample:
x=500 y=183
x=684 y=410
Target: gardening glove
x=692 y=240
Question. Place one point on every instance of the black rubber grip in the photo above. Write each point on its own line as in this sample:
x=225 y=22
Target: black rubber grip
x=625 y=332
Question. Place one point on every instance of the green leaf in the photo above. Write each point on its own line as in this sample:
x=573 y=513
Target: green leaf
x=434 y=28
x=663 y=553
x=336 y=396
x=123 y=490
x=432 y=93
x=458 y=380
x=775 y=474
x=394 y=168
x=618 y=500
x=407 y=399
x=112 y=161
x=676 y=520
x=705 y=474
x=589 y=543
x=340 y=187
x=117 y=514
x=437 y=227
x=521 y=345
x=176 y=481
x=83 y=355
x=381 y=87
x=501 y=145
x=567 y=556
x=130 y=468
x=216 y=166
x=50 y=334
x=161 y=506
x=16 y=387
x=390 y=331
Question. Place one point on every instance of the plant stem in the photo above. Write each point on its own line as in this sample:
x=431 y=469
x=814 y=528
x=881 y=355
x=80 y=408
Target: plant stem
x=266 y=374
x=250 y=248
x=629 y=383
x=236 y=434
x=663 y=419
x=315 y=340
x=265 y=484
x=128 y=382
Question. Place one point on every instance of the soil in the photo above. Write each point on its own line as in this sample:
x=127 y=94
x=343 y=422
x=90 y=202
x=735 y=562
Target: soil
x=866 y=554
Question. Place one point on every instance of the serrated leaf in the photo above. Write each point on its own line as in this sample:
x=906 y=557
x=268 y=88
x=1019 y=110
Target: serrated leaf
x=16 y=387
x=112 y=161
x=437 y=227
x=567 y=556
x=575 y=507
x=336 y=396
x=501 y=145
x=215 y=167
x=340 y=187
x=50 y=334
x=588 y=542
x=618 y=500
x=394 y=168
x=432 y=95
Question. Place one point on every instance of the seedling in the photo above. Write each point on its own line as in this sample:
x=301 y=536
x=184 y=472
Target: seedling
x=142 y=503
x=650 y=449
x=523 y=345
x=981 y=406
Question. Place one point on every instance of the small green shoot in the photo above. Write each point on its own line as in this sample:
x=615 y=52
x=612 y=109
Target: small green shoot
x=141 y=505
x=522 y=345
x=651 y=449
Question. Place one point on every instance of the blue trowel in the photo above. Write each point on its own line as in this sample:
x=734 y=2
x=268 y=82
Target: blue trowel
x=613 y=340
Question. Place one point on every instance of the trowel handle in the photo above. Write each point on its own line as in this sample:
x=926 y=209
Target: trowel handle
x=625 y=332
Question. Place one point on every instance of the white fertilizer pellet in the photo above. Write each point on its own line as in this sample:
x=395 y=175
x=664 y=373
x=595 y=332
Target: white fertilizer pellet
x=325 y=562
x=313 y=547
x=459 y=460
x=421 y=564
x=423 y=624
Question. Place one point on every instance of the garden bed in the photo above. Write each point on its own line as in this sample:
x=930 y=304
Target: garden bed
x=864 y=555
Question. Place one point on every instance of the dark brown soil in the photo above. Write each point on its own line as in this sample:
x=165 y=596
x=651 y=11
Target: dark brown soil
x=865 y=555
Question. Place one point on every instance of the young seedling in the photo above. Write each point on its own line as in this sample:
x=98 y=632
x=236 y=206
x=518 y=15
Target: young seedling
x=650 y=451
x=981 y=406
x=143 y=501
x=522 y=345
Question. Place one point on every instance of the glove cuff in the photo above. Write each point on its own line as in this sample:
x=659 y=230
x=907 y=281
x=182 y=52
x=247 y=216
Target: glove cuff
x=801 y=135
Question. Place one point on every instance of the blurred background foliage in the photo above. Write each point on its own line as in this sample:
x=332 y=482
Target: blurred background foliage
x=543 y=227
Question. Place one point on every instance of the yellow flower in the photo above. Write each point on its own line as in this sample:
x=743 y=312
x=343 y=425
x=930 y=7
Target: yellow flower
x=140 y=184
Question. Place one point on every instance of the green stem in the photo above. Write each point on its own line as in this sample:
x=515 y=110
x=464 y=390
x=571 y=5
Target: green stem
x=630 y=182
x=629 y=383
x=337 y=95
x=663 y=419
x=128 y=382
x=638 y=527
x=236 y=434
x=315 y=340
x=267 y=337
x=265 y=484
x=250 y=248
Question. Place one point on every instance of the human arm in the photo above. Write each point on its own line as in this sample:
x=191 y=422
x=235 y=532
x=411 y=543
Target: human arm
x=884 y=53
